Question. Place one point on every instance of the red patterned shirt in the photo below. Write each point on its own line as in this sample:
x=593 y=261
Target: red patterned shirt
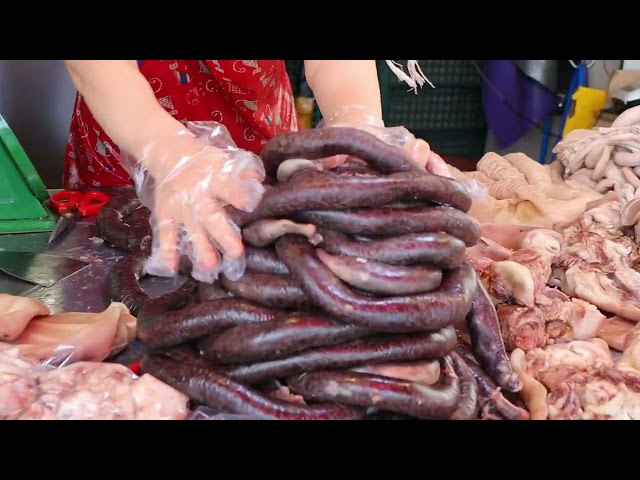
x=251 y=98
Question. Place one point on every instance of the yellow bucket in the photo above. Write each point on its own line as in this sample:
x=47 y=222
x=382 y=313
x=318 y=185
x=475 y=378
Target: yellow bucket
x=585 y=109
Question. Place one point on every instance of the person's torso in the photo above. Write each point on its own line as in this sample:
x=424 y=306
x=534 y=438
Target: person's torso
x=252 y=98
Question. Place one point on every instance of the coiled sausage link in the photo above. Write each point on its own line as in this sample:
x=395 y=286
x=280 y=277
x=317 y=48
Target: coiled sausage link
x=437 y=402
x=277 y=291
x=366 y=351
x=226 y=395
x=320 y=143
x=429 y=311
x=257 y=342
x=395 y=221
x=167 y=329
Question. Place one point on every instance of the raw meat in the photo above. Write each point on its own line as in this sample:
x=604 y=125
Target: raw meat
x=598 y=260
x=27 y=323
x=16 y=313
x=577 y=380
x=572 y=319
x=512 y=281
x=82 y=391
x=17 y=386
x=509 y=236
x=88 y=336
x=522 y=327
x=517 y=190
x=631 y=348
x=538 y=175
x=615 y=331
x=599 y=392
x=557 y=336
x=487 y=209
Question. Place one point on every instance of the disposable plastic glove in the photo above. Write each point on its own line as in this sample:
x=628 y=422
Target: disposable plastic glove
x=360 y=117
x=186 y=180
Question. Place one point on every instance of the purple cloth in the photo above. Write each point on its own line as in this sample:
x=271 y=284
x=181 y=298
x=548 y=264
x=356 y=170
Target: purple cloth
x=522 y=93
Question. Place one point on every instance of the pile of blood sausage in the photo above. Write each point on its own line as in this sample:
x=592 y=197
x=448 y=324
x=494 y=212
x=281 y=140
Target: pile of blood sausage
x=355 y=287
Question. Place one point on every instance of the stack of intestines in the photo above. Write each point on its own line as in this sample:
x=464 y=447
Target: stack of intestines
x=354 y=271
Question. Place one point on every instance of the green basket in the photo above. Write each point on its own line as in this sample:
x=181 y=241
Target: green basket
x=456 y=143
x=450 y=116
x=449 y=73
x=23 y=196
x=443 y=108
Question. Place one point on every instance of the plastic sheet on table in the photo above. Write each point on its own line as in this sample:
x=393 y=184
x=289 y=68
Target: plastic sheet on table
x=206 y=413
x=57 y=389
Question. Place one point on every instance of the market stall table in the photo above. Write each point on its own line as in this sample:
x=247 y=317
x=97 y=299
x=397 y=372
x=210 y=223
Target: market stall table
x=85 y=290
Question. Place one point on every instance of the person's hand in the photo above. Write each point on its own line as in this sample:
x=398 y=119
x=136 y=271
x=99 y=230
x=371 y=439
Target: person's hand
x=420 y=150
x=186 y=181
x=422 y=154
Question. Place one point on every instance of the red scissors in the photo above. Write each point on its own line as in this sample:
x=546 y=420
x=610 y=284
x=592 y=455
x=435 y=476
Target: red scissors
x=73 y=204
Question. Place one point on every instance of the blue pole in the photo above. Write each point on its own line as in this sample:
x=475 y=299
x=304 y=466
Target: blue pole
x=544 y=148
x=579 y=79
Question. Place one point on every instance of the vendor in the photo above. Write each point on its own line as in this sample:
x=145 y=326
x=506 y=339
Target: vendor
x=139 y=107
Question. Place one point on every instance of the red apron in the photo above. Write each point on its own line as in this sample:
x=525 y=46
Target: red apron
x=251 y=98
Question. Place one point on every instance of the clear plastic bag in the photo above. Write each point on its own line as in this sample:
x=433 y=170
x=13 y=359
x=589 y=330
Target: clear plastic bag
x=362 y=118
x=56 y=389
x=476 y=189
x=186 y=180
x=39 y=334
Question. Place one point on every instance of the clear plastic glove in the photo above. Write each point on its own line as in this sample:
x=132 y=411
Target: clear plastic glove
x=361 y=117
x=186 y=181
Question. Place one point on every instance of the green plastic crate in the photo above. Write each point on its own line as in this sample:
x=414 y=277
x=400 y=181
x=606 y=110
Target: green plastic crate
x=450 y=116
x=446 y=73
x=444 y=108
x=22 y=193
x=456 y=143
x=295 y=72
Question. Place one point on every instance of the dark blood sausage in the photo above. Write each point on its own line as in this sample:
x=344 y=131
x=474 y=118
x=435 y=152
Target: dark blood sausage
x=436 y=402
x=488 y=390
x=365 y=351
x=327 y=191
x=167 y=329
x=312 y=190
x=223 y=394
x=428 y=311
x=327 y=142
x=438 y=249
x=394 y=221
x=118 y=234
x=123 y=282
x=124 y=286
x=278 y=291
x=382 y=278
x=123 y=223
x=262 y=260
x=352 y=167
x=284 y=336
x=211 y=291
x=488 y=346
x=186 y=354
x=469 y=405
x=139 y=221
x=241 y=218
